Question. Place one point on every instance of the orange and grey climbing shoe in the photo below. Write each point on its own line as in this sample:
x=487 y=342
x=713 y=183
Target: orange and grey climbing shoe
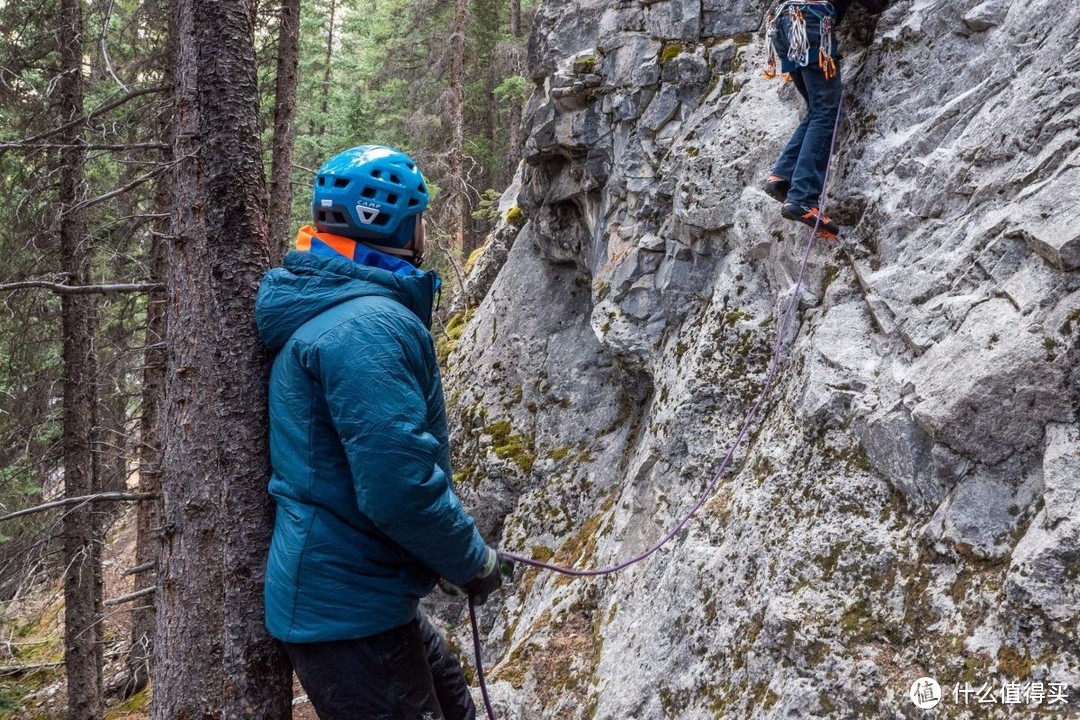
x=776 y=187
x=811 y=216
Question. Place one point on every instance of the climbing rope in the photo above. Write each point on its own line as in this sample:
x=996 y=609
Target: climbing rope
x=770 y=378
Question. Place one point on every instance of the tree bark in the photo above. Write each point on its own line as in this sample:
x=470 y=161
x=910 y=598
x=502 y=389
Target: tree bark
x=214 y=657
x=82 y=527
x=148 y=520
x=140 y=657
x=324 y=103
x=458 y=200
x=281 y=193
x=515 y=143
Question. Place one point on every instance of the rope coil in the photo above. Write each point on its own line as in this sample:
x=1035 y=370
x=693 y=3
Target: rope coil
x=798 y=41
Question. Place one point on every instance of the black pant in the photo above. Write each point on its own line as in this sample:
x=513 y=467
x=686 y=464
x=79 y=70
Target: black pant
x=407 y=673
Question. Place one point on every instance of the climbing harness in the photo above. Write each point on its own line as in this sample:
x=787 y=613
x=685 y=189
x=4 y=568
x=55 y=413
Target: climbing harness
x=770 y=378
x=798 y=41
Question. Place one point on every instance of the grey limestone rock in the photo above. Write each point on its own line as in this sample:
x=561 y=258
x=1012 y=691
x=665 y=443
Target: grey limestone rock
x=904 y=503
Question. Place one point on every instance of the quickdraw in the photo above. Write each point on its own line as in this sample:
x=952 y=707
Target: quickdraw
x=798 y=42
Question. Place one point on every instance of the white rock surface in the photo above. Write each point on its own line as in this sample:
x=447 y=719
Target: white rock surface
x=908 y=502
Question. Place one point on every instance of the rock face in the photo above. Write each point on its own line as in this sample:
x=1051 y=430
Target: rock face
x=908 y=500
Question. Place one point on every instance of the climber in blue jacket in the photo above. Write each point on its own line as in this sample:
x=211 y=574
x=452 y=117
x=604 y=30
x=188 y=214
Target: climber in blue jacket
x=801 y=37
x=367 y=519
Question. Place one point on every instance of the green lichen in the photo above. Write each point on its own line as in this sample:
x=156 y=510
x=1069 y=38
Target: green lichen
x=762 y=469
x=448 y=341
x=762 y=696
x=1012 y=664
x=743 y=39
x=560 y=452
x=890 y=45
x=508 y=445
x=959 y=589
x=857 y=622
x=475 y=255
x=468 y=475
x=585 y=64
x=731 y=85
x=731 y=317
x=827 y=705
x=137 y=703
x=828 y=562
x=1050 y=345
x=675 y=701
x=1067 y=326
x=671 y=51
x=515 y=216
x=542 y=553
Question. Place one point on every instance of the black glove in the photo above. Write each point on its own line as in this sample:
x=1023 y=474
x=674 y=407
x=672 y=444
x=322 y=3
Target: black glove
x=490 y=577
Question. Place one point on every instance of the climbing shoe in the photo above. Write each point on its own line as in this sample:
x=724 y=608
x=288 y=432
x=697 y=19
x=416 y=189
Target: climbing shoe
x=811 y=216
x=777 y=188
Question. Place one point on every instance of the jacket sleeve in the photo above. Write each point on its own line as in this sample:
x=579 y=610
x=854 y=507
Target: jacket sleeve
x=874 y=6
x=375 y=373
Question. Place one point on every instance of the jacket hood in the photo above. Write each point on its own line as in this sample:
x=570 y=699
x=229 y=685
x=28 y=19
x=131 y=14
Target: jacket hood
x=309 y=284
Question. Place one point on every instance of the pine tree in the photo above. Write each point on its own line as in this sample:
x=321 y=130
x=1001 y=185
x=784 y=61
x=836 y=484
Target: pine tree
x=82 y=526
x=219 y=661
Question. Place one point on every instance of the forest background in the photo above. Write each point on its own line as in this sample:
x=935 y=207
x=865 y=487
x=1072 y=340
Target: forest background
x=122 y=156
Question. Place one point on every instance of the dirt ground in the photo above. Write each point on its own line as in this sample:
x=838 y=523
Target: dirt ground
x=31 y=634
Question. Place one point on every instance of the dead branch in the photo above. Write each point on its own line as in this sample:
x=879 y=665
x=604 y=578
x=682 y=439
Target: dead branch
x=99 y=497
x=118 y=191
x=129 y=597
x=94 y=146
x=139 y=568
x=62 y=289
x=101 y=109
x=18 y=669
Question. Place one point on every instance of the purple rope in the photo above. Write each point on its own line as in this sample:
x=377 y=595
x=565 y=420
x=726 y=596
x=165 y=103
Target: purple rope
x=479 y=660
x=770 y=378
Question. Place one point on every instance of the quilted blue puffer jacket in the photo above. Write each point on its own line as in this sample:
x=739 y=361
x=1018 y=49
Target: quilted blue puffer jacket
x=366 y=517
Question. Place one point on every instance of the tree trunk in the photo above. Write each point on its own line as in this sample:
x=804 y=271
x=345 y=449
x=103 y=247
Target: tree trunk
x=281 y=193
x=458 y=200
x=516 y=142
x=82 y=527
x=214 y=657
x=324 y=103
x=148 y=522
x=140 y=659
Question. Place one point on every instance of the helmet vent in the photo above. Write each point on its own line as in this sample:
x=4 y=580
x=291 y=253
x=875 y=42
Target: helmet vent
x=322 y=181
x=413 y=202
x=395 y=179
x=421 y=188
x=341 y=182
x=381 y=219
x=376 y=173
x=321 y=216
x=338 y=218
x=391 y=198
x=368 y=192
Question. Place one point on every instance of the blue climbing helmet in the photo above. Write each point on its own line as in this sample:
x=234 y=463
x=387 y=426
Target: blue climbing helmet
x=370 y=193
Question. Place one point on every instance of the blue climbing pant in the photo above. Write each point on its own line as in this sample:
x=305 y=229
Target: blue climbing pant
x=406 y=673
x=806 y=155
